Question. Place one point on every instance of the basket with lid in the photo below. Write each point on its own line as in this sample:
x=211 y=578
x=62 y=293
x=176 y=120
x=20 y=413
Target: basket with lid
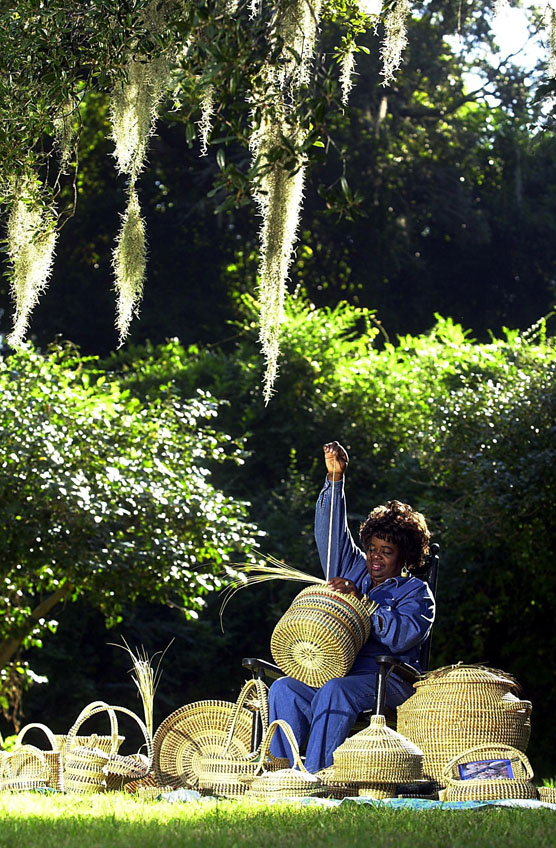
x=459 y=707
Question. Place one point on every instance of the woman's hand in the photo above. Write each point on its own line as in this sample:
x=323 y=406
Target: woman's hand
x=336 y=459
x=345 y=587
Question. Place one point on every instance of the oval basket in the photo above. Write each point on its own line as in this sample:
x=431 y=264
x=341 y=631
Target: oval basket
x=320 y=634
x=487 y=789
x=294 y=782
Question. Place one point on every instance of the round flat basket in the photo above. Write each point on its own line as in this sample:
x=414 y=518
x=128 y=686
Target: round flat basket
x=319 y=636
x=192 y=732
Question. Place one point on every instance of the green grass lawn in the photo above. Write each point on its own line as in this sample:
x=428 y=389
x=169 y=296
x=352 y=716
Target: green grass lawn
x=116 y=820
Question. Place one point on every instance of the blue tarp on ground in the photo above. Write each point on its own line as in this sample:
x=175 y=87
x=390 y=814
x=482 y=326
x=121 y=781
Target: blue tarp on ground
x=397 y=803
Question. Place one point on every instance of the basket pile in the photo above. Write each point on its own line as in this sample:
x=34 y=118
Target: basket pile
x=459 y=707
x=320 y=634
x=489 y=789
x=377 y=759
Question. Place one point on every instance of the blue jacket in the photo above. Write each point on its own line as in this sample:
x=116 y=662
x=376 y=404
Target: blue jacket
x=406 y=605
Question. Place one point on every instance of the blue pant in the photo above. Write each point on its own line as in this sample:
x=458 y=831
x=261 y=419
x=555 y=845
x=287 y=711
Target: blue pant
x=325 y=716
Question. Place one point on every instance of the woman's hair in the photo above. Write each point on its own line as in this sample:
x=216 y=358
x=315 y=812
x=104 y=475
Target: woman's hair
x=398 y=523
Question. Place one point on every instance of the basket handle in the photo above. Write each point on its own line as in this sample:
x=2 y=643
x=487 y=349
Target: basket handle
x=91 y=710
x=485 y=748
x=46 y=730
x=292 y=741
x=260 y=688
x=142 y=725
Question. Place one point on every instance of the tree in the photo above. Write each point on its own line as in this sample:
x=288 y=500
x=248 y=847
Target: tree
x=106 y=497
x=265 y=54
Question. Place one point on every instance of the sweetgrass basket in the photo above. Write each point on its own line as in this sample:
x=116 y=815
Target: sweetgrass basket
x=320 y=634
x=193 y=731
x=224 y=773
x=489 y=789
x=294 y=782
x=333 y=787
x=53 y=757
x=457 y=707
x=378 y=755
x=90 y=769
x=23 y=769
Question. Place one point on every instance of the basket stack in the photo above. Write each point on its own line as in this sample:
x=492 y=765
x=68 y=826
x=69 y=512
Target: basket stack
x=319 y=636
x=377 y=759
x=459 y=707
x=489 y=789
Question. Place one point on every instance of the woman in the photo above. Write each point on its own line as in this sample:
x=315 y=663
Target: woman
x=394 y=539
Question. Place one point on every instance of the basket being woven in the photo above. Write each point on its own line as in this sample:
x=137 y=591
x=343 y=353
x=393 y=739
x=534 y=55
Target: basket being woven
x=294 y=782
x=487 y=789
x=378 y=755
x=459 y=707
x=53 y=757
x=319 y=636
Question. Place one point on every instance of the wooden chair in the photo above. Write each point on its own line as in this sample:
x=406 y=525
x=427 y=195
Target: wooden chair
x=386 y=664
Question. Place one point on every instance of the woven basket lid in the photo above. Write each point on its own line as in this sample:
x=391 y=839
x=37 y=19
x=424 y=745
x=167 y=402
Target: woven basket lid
x=378 y=753
x=460 y=673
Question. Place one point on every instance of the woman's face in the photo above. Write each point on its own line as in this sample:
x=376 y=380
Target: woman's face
x=383 y=560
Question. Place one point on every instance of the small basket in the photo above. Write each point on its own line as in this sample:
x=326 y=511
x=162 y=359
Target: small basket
x=53 y=758
x=223 y=772
x=333 y=787
x=23 y=769
x=93 y=770
x=547 y=794
x=489 y=789
x=320 y=635
x=294 y=782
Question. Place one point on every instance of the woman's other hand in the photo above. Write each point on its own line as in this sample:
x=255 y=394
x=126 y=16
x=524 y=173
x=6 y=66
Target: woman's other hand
x=336 y=459
x=345 y=587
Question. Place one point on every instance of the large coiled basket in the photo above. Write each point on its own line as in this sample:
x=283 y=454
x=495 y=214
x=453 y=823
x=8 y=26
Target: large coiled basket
x=319 y=636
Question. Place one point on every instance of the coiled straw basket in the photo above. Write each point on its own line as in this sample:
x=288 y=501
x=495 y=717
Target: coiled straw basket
x=458 y=707
x=489 y=789
x=24 y=768
x=88 y=768
x=53 y=758
x=223 y=772
x=319 y=636
x=294 y=782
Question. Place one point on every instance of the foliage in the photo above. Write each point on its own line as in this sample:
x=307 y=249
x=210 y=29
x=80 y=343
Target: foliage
x=106 y=497
x=462 y=430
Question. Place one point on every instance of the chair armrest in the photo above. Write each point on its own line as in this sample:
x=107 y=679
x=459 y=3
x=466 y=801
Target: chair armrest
x=402 y=669
x=261 y=668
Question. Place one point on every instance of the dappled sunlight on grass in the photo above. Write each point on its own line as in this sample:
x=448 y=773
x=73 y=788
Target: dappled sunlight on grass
x=119 y=821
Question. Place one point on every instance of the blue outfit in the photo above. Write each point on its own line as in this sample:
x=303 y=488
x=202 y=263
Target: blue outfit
x=402 y=621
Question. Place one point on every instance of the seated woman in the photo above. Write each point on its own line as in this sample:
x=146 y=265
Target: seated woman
x=394 y=539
